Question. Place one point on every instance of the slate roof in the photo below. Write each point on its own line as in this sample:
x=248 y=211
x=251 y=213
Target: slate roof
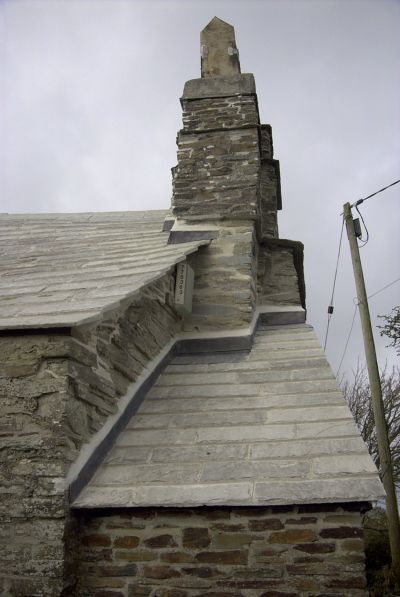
x=265 y=427
x=60 y=270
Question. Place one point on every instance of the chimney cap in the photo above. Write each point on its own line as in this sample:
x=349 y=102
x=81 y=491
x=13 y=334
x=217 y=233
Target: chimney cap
x=219 y=54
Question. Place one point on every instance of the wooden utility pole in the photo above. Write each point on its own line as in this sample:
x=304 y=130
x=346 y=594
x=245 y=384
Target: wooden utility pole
x=386 y=469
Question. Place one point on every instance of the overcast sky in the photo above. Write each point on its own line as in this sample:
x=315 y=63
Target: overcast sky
x=90 y=109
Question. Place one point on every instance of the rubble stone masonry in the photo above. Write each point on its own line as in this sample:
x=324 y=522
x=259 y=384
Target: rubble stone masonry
x=218 y=159
x=223 y=552
x=56 y=391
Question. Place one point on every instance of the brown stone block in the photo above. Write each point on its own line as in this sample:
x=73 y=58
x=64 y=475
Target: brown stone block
x=252 y=584
x=160 y=572
x=304 y=584
x=233 y=540
x=357 y=582
x=267 y=524
x=352 y=545
x=341 y=533
x=97 y=555
x=202 y=572
x=315 y=569
x=268 y=553
x=293 y=536
x=230 y=528
x=139 y=591
x=109 y=594
x=219 y=594
x=97 y=540
x=196 y=537
x=316 y=547
x=307 y=560
x=302 y=520
x=124 y=570
x=95 y=582
x=278 y=594
x=169 y=593
x=223 y=557
x=176 y=557
x=136 y=556
x=160 y=541
x=129 y=541
x=259 y=573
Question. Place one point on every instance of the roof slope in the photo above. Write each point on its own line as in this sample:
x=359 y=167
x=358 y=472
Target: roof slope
x=266 y=427
x=65 y=269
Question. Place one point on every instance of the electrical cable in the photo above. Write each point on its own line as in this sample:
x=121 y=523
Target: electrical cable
x=384 y=288
x=330 y=308
x=373 y=194
x=347 y=341
x=364 y=242
x=354 y=315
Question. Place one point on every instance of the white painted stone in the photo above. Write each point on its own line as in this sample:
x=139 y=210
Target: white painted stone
x=319 y=491
x=131 y=475
x=181 y=405
x=327 y=429
x=202 y=419
x=222 y=471
x=246 y=433
x=308 y=414
x=307 y=448
x=343 y=464
x=193 y=495
x=218 y=452
x=157 y=437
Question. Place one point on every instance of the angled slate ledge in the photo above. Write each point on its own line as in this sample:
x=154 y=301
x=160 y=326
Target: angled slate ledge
x=268 y=428
x=98 y=455
x=186 y=236
x=221 y=86
x=187 y=349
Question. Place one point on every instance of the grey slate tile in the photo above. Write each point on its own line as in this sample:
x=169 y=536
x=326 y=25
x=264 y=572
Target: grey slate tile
x=215 y=433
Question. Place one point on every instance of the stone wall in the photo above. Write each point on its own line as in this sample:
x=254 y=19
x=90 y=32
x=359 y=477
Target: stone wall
x=223 y=552
x=224 y=289
x=226 y=177
x=280 y=276
x=57 y=390
x=217 y=175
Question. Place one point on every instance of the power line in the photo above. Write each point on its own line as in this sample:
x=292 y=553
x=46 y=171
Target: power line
x=384 y=288
x=347 y=341
x=376 y=193
x=352 y=321
x=330 y=308
x=364 y=242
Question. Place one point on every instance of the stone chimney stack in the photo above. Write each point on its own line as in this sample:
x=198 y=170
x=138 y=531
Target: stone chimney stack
x=226 y=185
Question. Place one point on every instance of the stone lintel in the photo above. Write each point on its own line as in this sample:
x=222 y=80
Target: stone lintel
x=222 y=86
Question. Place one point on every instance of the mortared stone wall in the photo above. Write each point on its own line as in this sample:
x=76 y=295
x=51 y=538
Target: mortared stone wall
x=223 y=552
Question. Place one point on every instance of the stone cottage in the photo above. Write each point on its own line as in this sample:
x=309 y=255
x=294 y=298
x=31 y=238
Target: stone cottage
x=170 y=426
